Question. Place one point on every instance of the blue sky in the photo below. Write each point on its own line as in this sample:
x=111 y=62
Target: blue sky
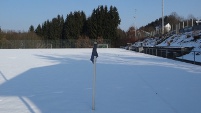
x=20 y=14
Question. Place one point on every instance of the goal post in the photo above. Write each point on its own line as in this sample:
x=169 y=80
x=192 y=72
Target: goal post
x=102 y=46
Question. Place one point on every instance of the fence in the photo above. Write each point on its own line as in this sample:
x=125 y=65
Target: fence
x=184 y=54
x=16 y=44
x=194 y=57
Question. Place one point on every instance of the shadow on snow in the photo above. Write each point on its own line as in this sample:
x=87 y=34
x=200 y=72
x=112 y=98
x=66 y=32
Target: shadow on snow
x=67 y=87
x=56 y=88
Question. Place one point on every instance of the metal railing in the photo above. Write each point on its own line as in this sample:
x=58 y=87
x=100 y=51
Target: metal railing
x=181 y=54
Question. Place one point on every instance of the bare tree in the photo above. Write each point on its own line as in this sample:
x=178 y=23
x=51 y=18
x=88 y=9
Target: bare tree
x=190 y=16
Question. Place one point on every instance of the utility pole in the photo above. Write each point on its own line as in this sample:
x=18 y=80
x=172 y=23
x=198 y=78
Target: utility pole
x=135 y=23
x=162 y=17
x=192 y=23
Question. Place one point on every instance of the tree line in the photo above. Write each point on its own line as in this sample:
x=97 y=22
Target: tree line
x=103 y=23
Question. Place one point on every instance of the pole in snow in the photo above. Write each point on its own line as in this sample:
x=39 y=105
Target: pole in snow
x=94 y=85
x=94 y=55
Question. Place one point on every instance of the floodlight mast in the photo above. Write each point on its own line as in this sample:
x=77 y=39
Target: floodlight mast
x=135 y=23
x=162 y=17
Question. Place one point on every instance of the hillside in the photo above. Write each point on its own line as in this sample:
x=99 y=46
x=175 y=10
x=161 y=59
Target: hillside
x=181 y=40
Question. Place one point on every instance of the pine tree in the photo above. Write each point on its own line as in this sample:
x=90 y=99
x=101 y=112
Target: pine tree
x=74 y=24
x=31 y=28
x=38 y=30
x=104 y=23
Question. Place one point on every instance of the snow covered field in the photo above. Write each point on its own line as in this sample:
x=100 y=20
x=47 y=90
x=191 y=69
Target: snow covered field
x=60 y=81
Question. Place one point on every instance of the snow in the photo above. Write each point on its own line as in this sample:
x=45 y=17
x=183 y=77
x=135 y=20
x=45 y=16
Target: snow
x=181 y=40
x=60 y=81
x=186 y=40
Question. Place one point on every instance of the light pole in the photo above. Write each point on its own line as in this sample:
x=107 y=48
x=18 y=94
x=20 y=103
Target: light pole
x=135 y=22
x=162 y=17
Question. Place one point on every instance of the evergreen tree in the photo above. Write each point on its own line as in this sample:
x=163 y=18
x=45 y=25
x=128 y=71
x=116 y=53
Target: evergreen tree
x=104 y=23
x=74 y=24
x=31 y=28
x=93 y=25
x=56 y=27
x=38 y=30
